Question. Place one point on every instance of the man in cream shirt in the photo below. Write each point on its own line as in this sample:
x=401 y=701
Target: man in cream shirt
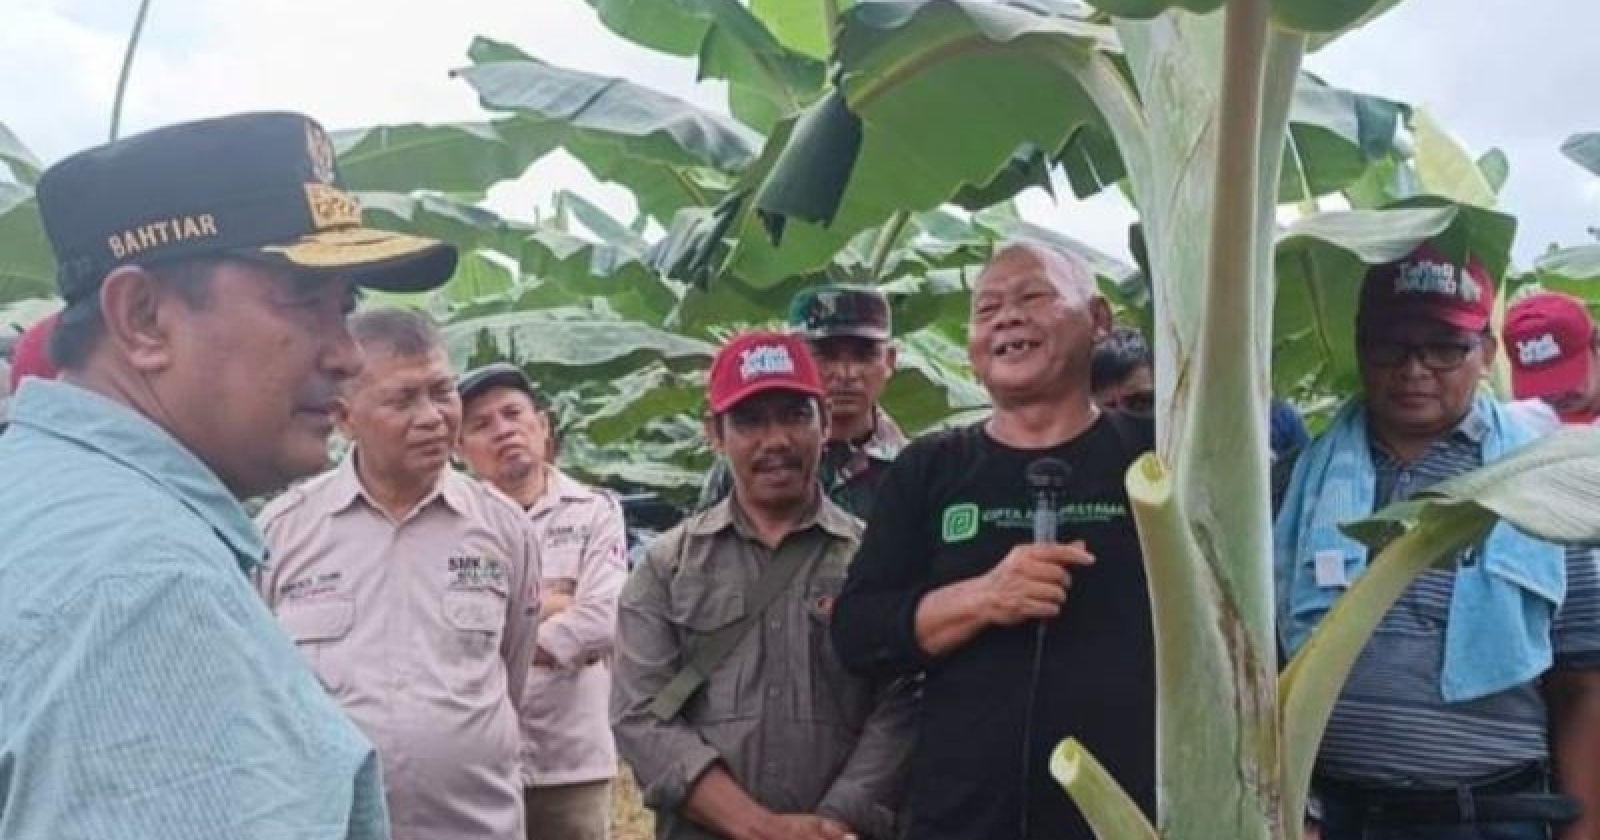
x=568 y=755
x=412 y=592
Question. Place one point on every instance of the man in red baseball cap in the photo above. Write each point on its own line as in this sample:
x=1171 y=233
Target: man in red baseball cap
x=1473 y=647
x=31 y=356
x=1551 y=344
x=728 y=699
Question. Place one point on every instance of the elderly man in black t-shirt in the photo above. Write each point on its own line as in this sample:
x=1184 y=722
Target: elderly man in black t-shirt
x=949 y=582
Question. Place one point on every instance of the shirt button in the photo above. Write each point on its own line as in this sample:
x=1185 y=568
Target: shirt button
x=776 y=623
x=773 y=691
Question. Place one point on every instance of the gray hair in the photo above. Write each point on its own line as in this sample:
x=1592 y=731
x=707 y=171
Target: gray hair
x=404 y=332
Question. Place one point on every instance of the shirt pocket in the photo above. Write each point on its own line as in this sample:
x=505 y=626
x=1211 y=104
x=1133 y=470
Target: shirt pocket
x=476 y=618
x=700 y=606
x=474 y=621
x=319 y=630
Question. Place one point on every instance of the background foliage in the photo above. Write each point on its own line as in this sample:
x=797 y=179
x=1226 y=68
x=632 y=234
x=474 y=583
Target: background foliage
x=807 y=177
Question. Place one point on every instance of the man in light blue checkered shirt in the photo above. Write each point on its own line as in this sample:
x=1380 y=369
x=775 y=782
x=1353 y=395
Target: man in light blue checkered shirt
x=146 y=693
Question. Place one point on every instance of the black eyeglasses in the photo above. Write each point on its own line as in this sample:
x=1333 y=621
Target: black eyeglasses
x=1438 y=356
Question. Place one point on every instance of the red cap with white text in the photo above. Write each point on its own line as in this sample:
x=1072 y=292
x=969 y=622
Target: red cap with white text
x=1549 y=338
x=755 y=362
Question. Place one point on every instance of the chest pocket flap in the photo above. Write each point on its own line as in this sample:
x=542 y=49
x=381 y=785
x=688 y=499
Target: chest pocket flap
x=320 y=621
x=482 y=612
x=703 y=605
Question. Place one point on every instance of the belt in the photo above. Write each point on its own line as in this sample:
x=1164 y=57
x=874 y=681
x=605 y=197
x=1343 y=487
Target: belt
x=1518 y=795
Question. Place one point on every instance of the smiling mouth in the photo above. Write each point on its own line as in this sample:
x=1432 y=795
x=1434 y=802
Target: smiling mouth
x=1013 y=348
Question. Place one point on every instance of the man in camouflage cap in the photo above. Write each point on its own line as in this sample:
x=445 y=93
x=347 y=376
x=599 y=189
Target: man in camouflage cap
x=848 y=329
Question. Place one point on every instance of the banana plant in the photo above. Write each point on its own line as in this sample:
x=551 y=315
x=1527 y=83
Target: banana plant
x=27 y=271
x=1197 y=97
x=1575 y=268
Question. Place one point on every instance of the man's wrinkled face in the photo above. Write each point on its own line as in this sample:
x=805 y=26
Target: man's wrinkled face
x=504 y=436
x=1420 y=376
x=1032 y=327
x=773 y=443
x=403 y=413
x=854 y=370
x=257 y=372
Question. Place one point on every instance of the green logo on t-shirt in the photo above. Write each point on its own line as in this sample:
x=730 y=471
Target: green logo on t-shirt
x=960 y=523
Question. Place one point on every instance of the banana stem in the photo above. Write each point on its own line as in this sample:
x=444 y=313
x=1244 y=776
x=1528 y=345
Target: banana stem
x=885 y=245
x=127 y=68
x=1107 y=807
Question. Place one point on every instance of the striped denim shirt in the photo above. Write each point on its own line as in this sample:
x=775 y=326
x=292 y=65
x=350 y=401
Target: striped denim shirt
x=1391 y=727
x=145 y=691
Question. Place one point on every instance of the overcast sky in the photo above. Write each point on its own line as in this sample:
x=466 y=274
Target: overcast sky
x=1517 y=74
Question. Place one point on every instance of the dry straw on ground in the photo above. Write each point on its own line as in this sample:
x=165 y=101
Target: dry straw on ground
x=630 y=820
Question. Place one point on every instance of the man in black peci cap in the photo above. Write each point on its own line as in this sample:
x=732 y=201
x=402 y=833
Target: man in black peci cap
x=207 y=269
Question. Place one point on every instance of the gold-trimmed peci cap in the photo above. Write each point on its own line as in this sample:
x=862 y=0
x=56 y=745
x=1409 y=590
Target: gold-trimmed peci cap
x=261 y=186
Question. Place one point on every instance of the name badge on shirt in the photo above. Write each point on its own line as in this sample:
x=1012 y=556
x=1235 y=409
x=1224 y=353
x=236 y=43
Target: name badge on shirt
x=1330 y=569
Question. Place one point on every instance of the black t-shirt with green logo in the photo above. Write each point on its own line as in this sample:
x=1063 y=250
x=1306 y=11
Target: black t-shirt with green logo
x=951 y=506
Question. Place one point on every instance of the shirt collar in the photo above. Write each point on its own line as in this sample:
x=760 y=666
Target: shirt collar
x=117 y=431
x=725 y=514
x=886 y=439
x=1472 y=429
x=559 y=488
x=345 y=487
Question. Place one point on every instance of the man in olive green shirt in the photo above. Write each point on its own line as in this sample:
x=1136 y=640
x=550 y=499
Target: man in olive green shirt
x=777 y=740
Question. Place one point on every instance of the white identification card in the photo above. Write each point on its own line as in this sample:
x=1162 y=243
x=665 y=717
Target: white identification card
x=1330 y=569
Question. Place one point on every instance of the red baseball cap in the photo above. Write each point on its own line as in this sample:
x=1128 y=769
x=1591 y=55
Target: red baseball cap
x=754 y=362
x=1427 y=285
x=31 y=356
x=1548 y=339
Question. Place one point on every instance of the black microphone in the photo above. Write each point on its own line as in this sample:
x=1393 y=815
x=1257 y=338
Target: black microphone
x=1047 y=481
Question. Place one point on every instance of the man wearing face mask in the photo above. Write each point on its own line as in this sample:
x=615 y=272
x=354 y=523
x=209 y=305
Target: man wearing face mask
x=848 y=331
x=950 y=583
x=730 y=703
x=412 y=591
x=1474 y=709
x=568 y=757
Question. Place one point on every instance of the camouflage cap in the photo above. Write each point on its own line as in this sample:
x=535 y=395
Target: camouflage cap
x=838 y=310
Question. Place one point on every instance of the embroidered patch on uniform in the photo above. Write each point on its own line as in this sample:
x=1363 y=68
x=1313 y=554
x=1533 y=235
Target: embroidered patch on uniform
x=310 y=586
x=475 y=572
x=559 y=536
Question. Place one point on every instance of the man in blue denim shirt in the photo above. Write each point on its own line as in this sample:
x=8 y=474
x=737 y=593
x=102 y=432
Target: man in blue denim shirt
x=145 y=691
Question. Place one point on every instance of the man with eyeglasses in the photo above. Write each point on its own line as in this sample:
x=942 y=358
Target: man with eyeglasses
x=1474 y=710
x=1552 y=346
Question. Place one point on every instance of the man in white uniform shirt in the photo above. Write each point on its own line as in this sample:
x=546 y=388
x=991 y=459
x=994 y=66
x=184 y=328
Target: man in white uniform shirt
x=569 y=757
